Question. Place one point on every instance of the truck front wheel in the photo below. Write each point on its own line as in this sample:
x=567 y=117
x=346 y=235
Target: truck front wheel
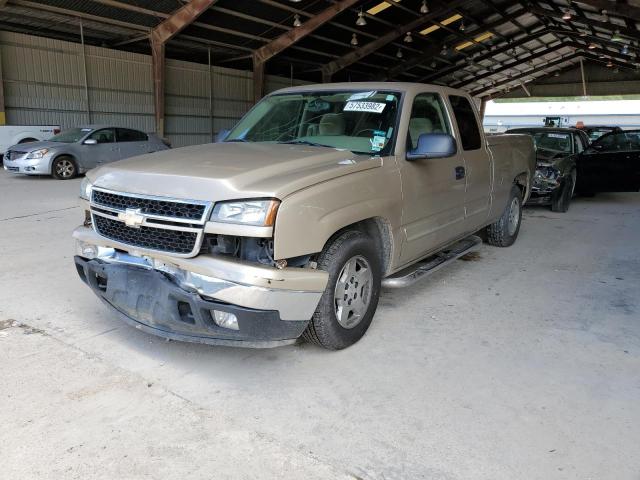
x=504 y=232
x=351 y=297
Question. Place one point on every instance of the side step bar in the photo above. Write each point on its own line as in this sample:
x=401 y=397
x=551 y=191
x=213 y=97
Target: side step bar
x=426 y=267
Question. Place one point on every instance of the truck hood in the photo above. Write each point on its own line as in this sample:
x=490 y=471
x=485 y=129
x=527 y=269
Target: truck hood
x=227 y=171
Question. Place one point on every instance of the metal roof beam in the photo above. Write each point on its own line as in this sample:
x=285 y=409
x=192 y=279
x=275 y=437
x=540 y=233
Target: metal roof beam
x=331 y=68
x=433 y=49
x=617 y=9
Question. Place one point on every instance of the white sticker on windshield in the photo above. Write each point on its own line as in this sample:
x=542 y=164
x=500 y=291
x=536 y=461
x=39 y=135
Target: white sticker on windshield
x=564 y=136
x=361 y=95
x=85 y=129
x=373 y=107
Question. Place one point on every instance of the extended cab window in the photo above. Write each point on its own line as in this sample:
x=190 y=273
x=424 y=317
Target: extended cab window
x=428 y=115
x=127 y=135
x=360 y=121
x=467 y=122
x=612 y=142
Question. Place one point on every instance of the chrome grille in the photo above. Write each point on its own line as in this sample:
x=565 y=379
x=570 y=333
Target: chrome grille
x=152 y=206
x=151 y=238
x=152 y=223
x=15 y=154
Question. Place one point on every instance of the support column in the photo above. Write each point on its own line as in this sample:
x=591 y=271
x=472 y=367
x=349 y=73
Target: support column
x=3 y=117
x=84 y=71
x=258 y=78
x=158 y=63
x=483 y=108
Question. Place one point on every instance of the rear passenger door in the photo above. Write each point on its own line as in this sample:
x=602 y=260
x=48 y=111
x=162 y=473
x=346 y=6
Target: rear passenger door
x=133 y=142
x=477 y=163
x=433 y=196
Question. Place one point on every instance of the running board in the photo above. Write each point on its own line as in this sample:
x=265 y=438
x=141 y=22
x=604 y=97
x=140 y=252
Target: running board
x=426 y=267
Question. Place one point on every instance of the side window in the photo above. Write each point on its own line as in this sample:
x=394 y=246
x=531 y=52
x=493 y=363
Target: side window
x=467 y=123
x=127 y=135
x=613 y=142
x=105 y=135
x=428 y=115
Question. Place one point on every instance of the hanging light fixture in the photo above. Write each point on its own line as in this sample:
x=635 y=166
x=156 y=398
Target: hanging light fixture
x=592 y=46
x=462 y=27
x=616 y=36
x=361 y=21
x=399 y=53
x=296 y=20
x=605 y=16
x=445 y=51
x=566 y=16
x=354 y=40
x=423 y=8
x=408 y=38
x=609 y=63
x=625 y=50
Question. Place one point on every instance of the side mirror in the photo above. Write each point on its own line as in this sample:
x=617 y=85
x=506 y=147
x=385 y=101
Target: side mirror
x=222 y=135
x=433 y=145
x=90 y=141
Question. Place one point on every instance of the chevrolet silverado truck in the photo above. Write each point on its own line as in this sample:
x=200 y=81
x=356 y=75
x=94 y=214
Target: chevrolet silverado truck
x=289 y=227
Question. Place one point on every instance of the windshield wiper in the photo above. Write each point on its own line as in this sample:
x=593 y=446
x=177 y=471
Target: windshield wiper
x=305 y=142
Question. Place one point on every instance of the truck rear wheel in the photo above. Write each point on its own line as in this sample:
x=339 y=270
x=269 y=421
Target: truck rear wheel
x=504 y=232
x=351 y=297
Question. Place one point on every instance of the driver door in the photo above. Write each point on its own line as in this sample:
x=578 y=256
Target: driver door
x=433 y=198
x=612 y=164
x=105 y=151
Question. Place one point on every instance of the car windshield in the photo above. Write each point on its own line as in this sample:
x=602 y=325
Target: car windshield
x=72 y=135
x=359 y=121
x=552 y=141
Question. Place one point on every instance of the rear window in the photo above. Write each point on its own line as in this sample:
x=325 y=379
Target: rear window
x=467 y=123
x=127 y=135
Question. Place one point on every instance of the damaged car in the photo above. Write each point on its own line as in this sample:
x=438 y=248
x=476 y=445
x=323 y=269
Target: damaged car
x=556 y=172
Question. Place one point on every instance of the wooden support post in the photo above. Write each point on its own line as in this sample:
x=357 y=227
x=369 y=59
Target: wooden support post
x=158 y=61
x=258 y=78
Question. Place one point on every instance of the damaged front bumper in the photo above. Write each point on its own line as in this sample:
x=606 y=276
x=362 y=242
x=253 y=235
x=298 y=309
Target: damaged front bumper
x=177 y=298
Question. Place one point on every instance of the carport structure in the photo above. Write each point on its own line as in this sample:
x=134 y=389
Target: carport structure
x=491 y=48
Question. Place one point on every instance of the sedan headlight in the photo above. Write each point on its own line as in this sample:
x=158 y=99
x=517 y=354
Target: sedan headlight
x=37 y=154
x=248 y=212
x=547 y=174
x=85 y=189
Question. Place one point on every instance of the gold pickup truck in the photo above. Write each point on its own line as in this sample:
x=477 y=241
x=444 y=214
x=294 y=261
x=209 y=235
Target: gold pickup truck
x=290 y=226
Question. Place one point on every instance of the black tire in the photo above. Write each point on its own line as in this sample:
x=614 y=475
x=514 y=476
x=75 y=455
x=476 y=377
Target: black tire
x=502 y=233
x=561 y=202
x=325 y=329
x=64 y=168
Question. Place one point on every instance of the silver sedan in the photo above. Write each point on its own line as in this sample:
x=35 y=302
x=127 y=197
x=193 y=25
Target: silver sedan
x=77 y=150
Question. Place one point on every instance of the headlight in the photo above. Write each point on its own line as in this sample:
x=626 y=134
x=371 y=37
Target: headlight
x=549 y=174
x=37 y=154
x=85 y=189
x=249 y=212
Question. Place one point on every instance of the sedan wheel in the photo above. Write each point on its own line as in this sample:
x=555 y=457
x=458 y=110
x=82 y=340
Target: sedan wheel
x=64 y=168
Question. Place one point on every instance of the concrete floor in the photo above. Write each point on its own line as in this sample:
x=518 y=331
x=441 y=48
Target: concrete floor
x=521 y=364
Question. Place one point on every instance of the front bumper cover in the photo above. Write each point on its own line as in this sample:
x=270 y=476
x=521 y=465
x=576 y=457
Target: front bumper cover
x=149 y=301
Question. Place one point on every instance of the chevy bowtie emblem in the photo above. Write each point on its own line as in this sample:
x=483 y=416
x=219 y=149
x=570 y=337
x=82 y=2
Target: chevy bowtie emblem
x=132 y=217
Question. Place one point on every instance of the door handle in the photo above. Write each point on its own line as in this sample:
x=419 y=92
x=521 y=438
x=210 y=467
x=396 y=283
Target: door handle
x=460 y=173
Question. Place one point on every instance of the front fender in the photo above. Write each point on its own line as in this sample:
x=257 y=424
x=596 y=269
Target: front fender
x=308 y=218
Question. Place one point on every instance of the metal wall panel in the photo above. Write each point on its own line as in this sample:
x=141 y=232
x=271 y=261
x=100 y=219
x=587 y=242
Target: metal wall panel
x=44 y=85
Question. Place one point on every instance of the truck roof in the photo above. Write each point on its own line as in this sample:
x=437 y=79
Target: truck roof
x=408 y=87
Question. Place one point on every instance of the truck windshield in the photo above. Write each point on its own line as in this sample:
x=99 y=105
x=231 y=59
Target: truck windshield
x=360 y=121
x=72 y=135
